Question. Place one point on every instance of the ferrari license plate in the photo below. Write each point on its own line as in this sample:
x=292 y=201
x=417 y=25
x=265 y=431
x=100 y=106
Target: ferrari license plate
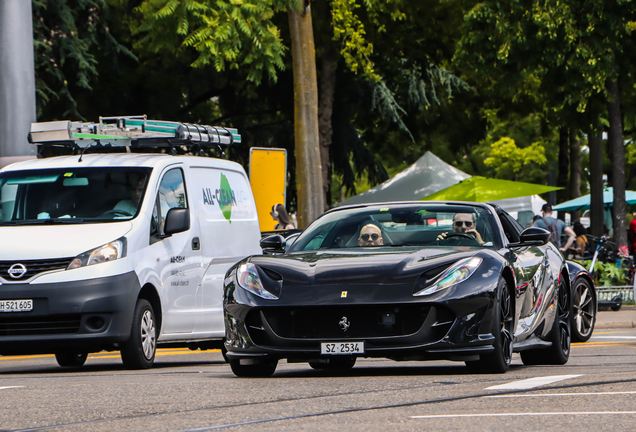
x=16 y=305
x=335 y=348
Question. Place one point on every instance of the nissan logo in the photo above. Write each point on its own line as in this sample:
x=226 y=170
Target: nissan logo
x=16 y=271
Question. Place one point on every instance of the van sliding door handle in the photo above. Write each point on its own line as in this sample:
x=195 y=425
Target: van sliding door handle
x=196 y=244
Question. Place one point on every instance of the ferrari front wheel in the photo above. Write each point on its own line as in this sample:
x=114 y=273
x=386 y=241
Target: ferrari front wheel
x=258 y=370
x=499 y=360
x=560 y=335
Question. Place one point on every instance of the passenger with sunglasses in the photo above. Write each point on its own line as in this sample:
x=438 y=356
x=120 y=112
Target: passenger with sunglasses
x=465 y=224
x=370 y=235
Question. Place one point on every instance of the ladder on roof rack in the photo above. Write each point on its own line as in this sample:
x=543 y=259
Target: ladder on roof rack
x=131 y=132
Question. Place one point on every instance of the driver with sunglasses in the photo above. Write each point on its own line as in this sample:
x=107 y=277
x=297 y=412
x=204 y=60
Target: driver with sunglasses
x=370 y=235
x=465 y=224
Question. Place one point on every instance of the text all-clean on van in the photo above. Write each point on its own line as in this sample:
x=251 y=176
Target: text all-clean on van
x=120 y=250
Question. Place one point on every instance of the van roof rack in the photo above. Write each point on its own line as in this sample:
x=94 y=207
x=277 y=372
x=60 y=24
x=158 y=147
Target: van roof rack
x=131 y=132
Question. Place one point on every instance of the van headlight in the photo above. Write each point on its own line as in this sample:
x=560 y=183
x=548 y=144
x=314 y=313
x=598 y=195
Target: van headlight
x=248 y=279
x=458 y=272
x=108 y=252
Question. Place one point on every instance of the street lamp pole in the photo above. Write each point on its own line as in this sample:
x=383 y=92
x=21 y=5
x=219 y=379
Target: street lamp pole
x=17 y=80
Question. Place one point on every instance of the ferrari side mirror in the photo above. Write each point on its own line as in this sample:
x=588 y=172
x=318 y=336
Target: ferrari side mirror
x=532 y=236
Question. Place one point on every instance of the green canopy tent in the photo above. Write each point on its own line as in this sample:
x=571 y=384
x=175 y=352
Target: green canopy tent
x=482 y=189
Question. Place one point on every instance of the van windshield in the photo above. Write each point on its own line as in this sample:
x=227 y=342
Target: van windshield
x=79 y=195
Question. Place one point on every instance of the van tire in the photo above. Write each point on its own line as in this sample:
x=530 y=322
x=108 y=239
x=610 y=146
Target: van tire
x=138 y=352
x=71 y=358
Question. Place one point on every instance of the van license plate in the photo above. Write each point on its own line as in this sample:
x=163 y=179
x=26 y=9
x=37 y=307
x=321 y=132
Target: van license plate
x=16 y=305
x=335 y=348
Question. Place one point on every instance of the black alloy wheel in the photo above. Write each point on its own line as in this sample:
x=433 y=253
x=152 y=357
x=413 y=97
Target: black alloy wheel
x=138 y=352
x=584 y=307
x=499 y=360
x=71 y=358
x=334 y=364
x=560 y=334
x=263 y=369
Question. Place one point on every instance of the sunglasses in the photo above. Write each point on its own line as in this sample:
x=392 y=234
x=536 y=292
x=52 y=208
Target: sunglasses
x=467 y=223
x=365 y=237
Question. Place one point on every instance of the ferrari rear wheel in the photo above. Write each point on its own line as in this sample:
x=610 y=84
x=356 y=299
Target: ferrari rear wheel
x=583 y=311
x=560 y=335
x=498 y=361
x=259 y=370
x=334 y=364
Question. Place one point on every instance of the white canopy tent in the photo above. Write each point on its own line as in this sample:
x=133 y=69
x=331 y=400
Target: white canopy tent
x=427 y=175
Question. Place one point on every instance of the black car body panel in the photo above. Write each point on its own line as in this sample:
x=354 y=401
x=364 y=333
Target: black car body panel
x=349 y=293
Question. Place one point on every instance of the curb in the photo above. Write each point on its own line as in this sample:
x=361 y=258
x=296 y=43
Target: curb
x=614 y=325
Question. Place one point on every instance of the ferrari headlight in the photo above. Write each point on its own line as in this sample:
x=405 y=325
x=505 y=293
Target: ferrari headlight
x=459 y=272
x=108 y=252
x=248 y=279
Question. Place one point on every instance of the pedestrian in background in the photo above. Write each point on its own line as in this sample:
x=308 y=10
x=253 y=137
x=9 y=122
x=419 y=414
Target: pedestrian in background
x=556 y=227
x=279 y=214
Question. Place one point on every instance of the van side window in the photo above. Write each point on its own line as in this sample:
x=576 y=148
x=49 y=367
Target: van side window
x=172 y=194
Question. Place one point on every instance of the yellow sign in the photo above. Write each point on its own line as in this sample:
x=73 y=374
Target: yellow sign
x=268 y=178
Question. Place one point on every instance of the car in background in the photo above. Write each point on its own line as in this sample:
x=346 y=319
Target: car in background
x=326 y=300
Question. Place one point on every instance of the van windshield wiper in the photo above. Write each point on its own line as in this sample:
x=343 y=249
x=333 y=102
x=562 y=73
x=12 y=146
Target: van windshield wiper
x=43 y=222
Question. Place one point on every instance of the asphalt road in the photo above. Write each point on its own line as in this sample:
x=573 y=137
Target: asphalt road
x=194 y=390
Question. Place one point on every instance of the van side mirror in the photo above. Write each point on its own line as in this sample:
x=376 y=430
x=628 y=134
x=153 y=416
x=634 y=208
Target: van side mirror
x=532 y=236
x=273 y=244
x=177 y=220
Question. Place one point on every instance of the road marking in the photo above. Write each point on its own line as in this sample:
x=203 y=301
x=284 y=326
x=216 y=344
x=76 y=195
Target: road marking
x=532 y=382
x=10 y=387
x=562 y=394
x=526 y=414
x=613 y=337
x=160 y=352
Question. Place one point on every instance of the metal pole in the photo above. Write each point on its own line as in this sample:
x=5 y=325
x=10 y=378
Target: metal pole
x=17 y=80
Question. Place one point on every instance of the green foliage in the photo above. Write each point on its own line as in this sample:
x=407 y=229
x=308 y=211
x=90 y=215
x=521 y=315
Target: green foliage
x=66 y=36
x=513 y=163
x=224 y=33
x=607 y=274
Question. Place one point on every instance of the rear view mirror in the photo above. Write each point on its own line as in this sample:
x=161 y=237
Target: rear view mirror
x=177 y=220
x=75 y=181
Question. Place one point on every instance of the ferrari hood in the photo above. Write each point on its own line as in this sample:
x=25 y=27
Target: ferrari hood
x=384 y=266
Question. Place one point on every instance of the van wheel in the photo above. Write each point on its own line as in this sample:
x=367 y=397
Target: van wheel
x=70 y=358
x=138 y=352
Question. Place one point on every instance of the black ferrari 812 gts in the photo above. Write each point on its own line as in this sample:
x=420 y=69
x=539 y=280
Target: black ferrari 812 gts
x=406 y=281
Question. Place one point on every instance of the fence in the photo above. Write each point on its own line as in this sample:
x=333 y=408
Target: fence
x=608 y=293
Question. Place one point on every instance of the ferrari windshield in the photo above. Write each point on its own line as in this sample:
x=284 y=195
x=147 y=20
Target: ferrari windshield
x=402 y=225
x=68 y=196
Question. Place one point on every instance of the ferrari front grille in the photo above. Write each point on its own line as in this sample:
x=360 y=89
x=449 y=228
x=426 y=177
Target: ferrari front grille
x=328 y=322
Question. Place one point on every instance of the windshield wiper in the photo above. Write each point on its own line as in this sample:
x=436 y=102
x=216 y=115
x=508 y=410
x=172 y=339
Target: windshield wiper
x=43 y=222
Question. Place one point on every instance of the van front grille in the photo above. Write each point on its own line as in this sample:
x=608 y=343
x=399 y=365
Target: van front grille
x=32 y=267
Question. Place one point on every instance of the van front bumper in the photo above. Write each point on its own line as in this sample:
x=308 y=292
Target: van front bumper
x=86 y=316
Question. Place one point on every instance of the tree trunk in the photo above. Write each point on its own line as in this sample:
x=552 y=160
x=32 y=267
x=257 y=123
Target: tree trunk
x=575 y=171
x=564 y=165
x=595 y=144
x=308 y=168
x=325 y=109
x=615 y=141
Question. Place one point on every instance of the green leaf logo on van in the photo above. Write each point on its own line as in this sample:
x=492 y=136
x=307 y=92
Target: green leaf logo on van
x=226 y=198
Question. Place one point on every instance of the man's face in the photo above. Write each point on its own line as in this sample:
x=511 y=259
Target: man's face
x=136 y=189
x=463 y=222
x=370 y=235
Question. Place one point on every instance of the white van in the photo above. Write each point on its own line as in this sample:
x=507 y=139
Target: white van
x=119 y=251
